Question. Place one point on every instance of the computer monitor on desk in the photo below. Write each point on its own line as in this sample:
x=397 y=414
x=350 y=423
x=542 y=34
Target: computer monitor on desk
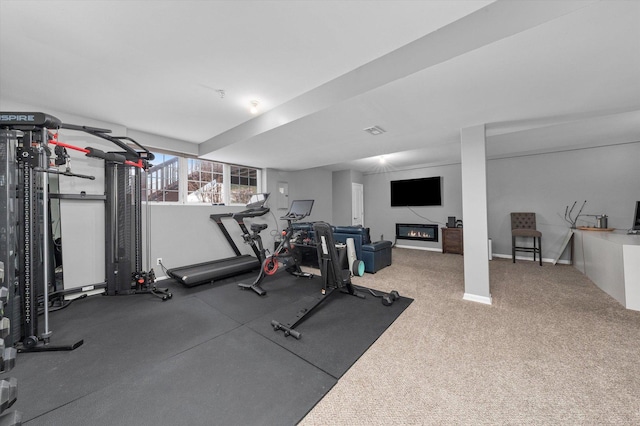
x=635 y=229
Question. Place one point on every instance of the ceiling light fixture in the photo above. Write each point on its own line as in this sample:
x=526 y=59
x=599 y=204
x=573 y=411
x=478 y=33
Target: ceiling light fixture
x=254 y=107
x=374 y=130
x=382 y=160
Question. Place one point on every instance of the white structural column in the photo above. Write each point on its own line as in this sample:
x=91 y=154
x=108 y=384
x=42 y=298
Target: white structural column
x=474 y=214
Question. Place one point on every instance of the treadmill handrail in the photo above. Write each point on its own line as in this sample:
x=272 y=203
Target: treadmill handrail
x=216 y=216
x=241 y=215
x=251 y=213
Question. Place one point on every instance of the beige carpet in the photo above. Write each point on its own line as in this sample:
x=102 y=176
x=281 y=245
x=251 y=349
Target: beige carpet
x=552 y=349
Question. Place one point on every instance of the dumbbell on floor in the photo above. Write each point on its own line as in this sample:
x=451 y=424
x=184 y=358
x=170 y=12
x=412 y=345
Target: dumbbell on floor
x=390 y=298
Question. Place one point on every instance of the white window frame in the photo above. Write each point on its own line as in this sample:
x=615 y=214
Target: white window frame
x=226 y=173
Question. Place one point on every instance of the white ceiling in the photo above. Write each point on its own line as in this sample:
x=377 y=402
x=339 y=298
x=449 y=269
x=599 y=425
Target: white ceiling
x=542 y=75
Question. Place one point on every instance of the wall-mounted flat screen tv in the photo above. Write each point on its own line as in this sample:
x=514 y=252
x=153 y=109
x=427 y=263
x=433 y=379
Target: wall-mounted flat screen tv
x=416 y=192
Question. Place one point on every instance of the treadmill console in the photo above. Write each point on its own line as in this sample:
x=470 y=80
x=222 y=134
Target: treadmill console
x=258 y=201
x=255 y=207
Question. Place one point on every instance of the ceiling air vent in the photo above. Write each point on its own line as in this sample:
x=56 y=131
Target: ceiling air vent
x=375 y=130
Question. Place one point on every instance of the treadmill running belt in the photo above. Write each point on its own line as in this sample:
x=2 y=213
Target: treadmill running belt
x=203 y=273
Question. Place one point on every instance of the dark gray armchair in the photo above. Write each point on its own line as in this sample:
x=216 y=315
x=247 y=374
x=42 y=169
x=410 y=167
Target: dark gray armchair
x=523 y=225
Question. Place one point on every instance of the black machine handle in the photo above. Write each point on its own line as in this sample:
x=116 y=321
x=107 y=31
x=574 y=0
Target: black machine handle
x=102 y=133
x=65 y=173
x=108 y=156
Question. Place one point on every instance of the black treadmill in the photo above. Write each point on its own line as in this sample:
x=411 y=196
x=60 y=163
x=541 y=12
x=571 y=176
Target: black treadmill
x=207 y=272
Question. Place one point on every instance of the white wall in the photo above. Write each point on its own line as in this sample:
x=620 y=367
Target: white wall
x=185 y=234
x=313 y=184
x=381 y=218
x=607 y=177
x=342 y=195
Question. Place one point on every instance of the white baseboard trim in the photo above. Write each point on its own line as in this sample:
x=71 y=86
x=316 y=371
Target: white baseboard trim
x=508 y=256
x=475 y=298
x=84 y=293
x=419 y=248
x=501 y=256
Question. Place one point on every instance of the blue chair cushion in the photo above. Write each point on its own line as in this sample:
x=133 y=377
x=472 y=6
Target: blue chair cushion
x=376 y=256
x=377 y=246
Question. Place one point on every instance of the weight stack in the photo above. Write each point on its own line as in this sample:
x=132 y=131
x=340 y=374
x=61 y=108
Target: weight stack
x=8 y=274
x=8 y=386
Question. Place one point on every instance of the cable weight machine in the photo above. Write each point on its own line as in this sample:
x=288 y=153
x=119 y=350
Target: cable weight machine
x=123 y=238
x=124 y=172
x=25 y=254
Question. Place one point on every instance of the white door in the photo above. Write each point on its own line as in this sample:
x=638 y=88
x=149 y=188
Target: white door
x=357 y=204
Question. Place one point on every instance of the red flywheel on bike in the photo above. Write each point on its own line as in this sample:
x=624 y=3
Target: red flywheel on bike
x=270 y=266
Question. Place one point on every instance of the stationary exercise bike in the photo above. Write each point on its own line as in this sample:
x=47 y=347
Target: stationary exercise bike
x=334 y=277
x=283 y=254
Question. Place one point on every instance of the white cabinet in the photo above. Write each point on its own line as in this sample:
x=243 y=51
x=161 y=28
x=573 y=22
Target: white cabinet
x=612 y=261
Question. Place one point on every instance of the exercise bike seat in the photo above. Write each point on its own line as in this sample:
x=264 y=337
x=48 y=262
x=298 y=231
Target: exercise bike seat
x=257 y=227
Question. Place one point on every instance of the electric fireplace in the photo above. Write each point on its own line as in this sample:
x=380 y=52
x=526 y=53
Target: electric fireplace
x=416 y=231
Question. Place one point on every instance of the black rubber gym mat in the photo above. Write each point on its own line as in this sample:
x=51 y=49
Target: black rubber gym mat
x=121 y=336
x=337 y=333
x=239 y=378
x=246 y=305
x=207 y=356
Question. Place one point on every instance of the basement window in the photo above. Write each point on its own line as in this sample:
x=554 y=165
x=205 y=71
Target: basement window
x=177 y=179
x=205 y=181
x=163 y=178
x=244 y=184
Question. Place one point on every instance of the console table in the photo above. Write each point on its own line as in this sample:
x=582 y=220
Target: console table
x=452 y=240
x=612 y=261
